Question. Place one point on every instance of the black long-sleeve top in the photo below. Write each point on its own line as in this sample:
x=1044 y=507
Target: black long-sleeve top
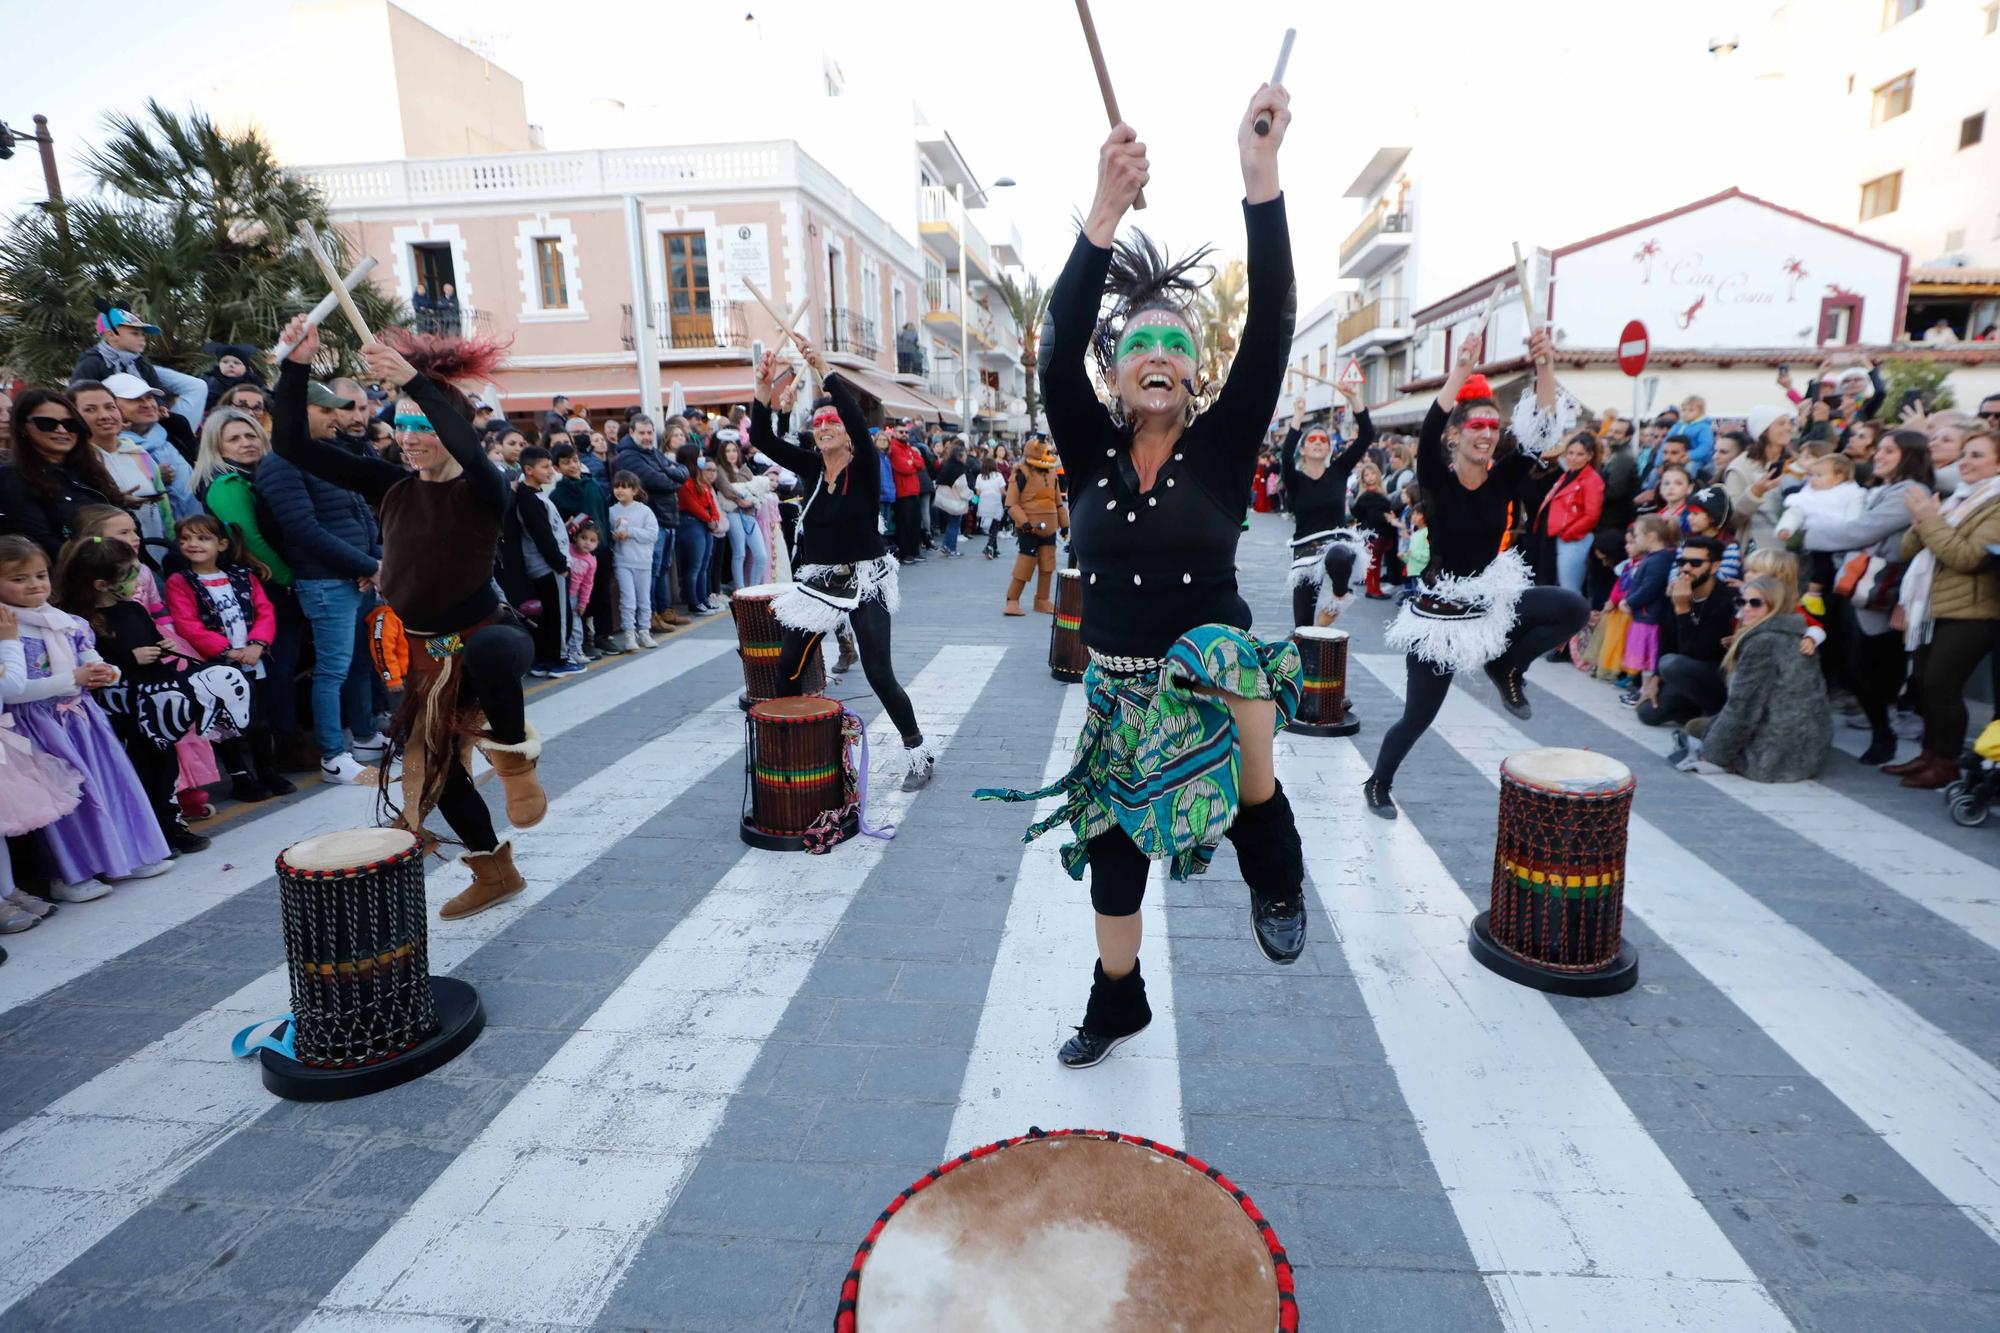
x=838 y=524
x=1158 y=563
x=1319 y=503
x=438 y=537
x=1466 y=526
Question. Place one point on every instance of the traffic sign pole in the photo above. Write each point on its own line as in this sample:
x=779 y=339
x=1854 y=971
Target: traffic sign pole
x=1634 y=348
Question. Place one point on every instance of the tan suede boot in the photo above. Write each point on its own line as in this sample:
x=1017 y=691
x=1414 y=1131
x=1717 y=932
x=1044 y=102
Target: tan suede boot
x=1045 y=575
x=515 y=764
x=1014 y=590
x=494 y=881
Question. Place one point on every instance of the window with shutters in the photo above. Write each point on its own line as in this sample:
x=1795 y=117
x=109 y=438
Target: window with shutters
x=1881 y=195
x=1971 y=130
x=550 y=279
x=1892 y=99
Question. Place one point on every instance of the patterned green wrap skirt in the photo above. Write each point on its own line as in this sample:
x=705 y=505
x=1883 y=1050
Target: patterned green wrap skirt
x=1159 y=760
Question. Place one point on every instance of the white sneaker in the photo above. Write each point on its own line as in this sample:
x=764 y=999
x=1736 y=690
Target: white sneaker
x=369 y=749
x=145 y=871
x=14 y=920
x=646 y=639
x=346 y=769
x=84 y=891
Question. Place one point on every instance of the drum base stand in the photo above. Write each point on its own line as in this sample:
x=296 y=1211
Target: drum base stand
x=1347 y=726
x=850 y=826
x=461 y=1017
x=1618 y=976
x=1065 y=675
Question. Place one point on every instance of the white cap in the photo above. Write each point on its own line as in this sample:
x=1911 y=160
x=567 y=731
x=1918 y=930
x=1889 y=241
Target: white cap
x=128 y=386
x=1759 y=420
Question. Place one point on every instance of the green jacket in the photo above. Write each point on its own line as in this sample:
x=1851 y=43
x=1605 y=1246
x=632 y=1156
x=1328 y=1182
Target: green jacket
x=581 y=495
x=229 y=497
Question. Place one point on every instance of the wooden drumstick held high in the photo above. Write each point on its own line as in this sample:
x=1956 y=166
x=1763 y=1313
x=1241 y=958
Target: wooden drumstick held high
x=1521 y=279
x=333 y=280
x=326 y=305
x=1103 y=77
x=1263 y=125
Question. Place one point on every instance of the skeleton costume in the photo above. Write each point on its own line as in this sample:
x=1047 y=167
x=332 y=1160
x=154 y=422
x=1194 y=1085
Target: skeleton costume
x=1158 y=763
x=1478 y=608
x=1035 y=503
x=1325 y=549
x=843 y=569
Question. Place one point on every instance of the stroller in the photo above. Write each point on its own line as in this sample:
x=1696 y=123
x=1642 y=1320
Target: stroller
x=1972 y=794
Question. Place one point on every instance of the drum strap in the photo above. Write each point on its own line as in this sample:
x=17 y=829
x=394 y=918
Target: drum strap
x=824 y=835
x=240 y=1045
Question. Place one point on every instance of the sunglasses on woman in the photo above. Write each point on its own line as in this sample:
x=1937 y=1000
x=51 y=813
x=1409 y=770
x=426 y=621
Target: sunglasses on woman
x=49 y=425
x=1755 y=604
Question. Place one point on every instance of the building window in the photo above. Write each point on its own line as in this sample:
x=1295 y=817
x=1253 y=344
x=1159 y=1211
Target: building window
x=1993 y=18
x=690 y=313
x=1881 y=195
x=1322 y=360
x=1895 y=11
x=549 y=277
x=1971 y=130
x=1892 y=99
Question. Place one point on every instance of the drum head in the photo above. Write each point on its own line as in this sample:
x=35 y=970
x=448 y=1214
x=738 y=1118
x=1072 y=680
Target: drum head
x=795 y=708
x=762 y=592
x=1318 y=632
x=1576 y=772
x=1077 y=1232
x=349 y=849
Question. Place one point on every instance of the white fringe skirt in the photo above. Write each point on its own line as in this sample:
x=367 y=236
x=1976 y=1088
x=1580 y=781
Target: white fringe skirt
x=1462 y=621
x=875 y=580
x=1309 y=564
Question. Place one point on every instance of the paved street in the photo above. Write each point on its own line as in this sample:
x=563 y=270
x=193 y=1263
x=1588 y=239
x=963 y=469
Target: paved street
x=706 y=1068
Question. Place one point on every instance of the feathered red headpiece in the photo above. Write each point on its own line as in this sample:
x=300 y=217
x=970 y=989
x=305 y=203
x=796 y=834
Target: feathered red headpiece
x=1475 y=388
x=447 y=360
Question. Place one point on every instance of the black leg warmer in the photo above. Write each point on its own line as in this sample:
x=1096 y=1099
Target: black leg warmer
x=1116 y=1008
x=1268 y=848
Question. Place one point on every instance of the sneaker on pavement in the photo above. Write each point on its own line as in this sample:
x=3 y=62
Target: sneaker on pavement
x=568 y=669
x=646 y=640
x=345 y=768
x=14 y=920
x=184 y=839
x=369 y=749
x=542 y=670
x=673 y=618
x=29 y=903
x=83 y=891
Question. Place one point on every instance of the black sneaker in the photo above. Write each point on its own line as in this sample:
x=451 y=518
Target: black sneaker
x=1513 y=690
x=1279 y=925
x=1376 y=796
x=248 y=788
x=184 y=839
x=836 y=585
x=1088 y=1048
x=1680 y=750
x=277 y=784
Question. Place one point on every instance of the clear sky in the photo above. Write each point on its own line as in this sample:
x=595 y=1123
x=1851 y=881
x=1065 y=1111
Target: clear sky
x=1563 y=80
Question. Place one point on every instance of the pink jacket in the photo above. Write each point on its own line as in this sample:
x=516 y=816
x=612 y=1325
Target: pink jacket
x=207 y=643
x=582 y=576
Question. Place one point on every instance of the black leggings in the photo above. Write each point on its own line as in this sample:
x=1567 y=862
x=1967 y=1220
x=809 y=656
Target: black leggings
x=1949 y=660
x=871 y=636
x=1118 y=872
x=1876 y=665
x=490 y=671
x=1548 y=616
x=1339 y=566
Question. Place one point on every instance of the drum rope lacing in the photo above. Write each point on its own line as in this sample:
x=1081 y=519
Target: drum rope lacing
x=1559 y=875
x=356 y=946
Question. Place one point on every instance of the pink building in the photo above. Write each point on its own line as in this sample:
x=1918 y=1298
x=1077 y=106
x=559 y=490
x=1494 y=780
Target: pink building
x=549 y=249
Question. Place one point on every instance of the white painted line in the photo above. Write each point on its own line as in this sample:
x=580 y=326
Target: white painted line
x=1568 y=1205
x=1040 y=980
x=81 y=1166
x=1939 y=878
x=1930 y=1099
x=538 y=1218
x=77 y=939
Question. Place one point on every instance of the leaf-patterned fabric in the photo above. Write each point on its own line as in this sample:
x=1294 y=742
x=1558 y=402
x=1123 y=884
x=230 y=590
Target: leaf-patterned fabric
x=1160 y=760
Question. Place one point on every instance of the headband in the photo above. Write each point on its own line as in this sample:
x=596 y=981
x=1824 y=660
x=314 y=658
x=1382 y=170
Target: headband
x=415 y=421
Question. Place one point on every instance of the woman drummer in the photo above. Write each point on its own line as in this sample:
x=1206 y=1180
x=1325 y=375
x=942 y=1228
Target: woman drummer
x=1476 y=608
x=843 y=568
x=468 y=651
x=1324 y=548
x=1176 y=748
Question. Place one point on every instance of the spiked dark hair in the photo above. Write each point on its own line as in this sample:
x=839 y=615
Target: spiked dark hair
x=1143 y=277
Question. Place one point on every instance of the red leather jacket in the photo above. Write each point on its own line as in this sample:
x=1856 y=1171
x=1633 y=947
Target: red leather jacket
x=1573 y=505
x=906 y=463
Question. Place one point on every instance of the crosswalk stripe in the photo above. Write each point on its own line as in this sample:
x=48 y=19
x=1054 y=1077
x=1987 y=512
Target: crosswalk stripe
x=1036 y=994
x=96 y=1156
x=1568 y=1205
x=1936 y=877
x=77 y=939
x=539 y=1217
x=1927 y=1096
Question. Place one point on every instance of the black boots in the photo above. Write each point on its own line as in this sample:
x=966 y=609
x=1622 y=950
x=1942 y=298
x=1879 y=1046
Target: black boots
x=1375 y=795
x=1116 y=1013
x=1273 y=862
x=1508 y=682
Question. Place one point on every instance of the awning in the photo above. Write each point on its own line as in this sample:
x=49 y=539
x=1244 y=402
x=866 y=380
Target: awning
x=901 y=400
x=703 y=386
x=1402 y=413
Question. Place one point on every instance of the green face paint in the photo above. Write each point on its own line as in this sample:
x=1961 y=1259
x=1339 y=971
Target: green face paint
x=1146 y=339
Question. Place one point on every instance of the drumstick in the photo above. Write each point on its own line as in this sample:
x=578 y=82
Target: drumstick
x=326 y=305
x=332 y=275
x=1263 y=126
x=784 y=324
x=1527 y=297
x=1103 y=78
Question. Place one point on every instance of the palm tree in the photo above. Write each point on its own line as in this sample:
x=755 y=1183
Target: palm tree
x=1221 y=309
x=1028 y=305
x=190 y=227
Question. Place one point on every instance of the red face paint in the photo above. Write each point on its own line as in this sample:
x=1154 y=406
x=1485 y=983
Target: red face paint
x=824 y=418
x=1481 y=423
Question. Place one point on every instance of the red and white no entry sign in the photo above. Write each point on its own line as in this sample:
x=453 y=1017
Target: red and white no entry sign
x=1633 y=348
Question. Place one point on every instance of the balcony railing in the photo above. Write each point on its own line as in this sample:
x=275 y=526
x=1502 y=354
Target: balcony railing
x=1373 y=225
x=940 y=296
x=720 y=326
x=853 y=333
x=941 y=205
x=1390 y=313
x=449 y=320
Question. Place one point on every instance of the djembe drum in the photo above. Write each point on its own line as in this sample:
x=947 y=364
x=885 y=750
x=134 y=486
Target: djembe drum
x=795 y=771
x=1323 y=685
x=366 y=1012
x=759 y=640
x=1556 y=920
x=1067 y=655
x=1070 y=1229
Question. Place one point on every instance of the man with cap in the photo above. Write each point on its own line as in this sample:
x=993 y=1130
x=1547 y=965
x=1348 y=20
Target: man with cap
x=121 y=348
x=334 y=547
x=146 y=427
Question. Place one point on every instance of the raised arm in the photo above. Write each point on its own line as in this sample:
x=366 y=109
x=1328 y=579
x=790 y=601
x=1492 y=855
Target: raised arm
x=1257 y=374
x=293 y=442
x=1077 y=419
x=454 y=432
x=1364 y=431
